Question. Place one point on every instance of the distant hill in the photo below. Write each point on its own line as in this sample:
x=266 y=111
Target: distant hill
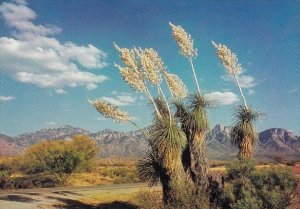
x=272 y=142
x=8 y=146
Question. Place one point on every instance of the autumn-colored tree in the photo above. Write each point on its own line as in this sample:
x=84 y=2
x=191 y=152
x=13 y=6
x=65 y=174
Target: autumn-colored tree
x=60 y=158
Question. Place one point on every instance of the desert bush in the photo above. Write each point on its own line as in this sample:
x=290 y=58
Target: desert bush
x=147 y=199
x=265 y=188
x=60 y=158
x=28 y=182
x=274 y=186
x=216 y=182
x=5 y=172
x=186 y=195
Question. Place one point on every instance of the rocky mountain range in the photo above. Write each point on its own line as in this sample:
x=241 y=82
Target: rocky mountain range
x=274 y=142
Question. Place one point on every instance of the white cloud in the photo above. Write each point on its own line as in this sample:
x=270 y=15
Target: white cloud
x=60 y=91
x=6 y=98
x=120 y=98
x=246 y=81
x=222 y=98
x=31 y=56
x=91 y=86
x=51 y=123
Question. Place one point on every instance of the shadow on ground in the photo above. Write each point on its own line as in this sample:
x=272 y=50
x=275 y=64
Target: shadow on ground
x=74 y=204
x=17 y=198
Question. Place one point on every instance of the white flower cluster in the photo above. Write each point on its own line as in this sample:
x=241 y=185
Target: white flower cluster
x=132 y=77
x=110 y=111
x=127 y=56
x=184 y=41
x=152 y=65
x=228 y=58
x=176 y=86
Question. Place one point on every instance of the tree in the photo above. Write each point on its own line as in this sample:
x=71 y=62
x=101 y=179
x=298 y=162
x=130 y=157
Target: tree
x=60 y=158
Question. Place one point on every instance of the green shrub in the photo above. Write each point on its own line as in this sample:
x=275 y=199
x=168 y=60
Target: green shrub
x=5 y=172
x=247 y=201
x=275 y=186
x=240 y=168
x=249 y=188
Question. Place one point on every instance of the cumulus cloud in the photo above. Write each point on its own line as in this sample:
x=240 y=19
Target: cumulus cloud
x=32 y=56
x=6 y=98
x=222 y=98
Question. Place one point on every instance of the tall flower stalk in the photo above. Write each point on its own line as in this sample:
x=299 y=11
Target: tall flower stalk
x=185 y=43
x=230 y=62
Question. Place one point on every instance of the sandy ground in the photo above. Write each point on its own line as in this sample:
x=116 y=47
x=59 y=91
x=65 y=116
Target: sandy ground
x=47 y=198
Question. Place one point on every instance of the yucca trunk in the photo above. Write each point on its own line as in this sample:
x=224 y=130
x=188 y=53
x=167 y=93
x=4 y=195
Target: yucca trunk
x=173 y=177
x=168 y=141
x=246 y=148
x=165 y=181
x=198 y=165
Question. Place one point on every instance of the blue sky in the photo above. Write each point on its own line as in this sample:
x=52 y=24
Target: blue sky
x=54 y=55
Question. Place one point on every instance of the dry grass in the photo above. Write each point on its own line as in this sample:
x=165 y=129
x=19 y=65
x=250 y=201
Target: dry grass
x=108 y=197
x=122 y=194
x=116 y=161
x=108 y=171
x=88 y=179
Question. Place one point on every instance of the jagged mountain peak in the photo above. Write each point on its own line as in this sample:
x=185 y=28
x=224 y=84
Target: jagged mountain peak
x=279 y=139
x=115 y=143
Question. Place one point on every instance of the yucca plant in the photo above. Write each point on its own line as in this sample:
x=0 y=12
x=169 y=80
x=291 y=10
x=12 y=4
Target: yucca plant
x=163 y=160
x=143 y=69
x=243 y=134
x=194 y=119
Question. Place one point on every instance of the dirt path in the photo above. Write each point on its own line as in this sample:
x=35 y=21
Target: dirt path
x=48 y=198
